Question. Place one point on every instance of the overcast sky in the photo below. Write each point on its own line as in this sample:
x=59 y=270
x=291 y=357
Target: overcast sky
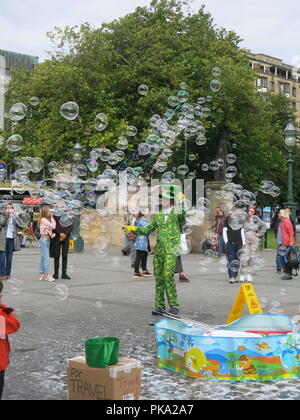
x=267 y=26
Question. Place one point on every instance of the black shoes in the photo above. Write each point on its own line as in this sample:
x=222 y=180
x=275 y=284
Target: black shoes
x=158 y=311
x=65 y=277
x=174 y=310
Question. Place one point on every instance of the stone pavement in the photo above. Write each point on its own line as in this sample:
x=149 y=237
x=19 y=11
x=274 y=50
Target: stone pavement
x=104 y=300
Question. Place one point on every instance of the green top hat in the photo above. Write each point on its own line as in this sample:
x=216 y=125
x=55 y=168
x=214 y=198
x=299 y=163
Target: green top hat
x=170 y=191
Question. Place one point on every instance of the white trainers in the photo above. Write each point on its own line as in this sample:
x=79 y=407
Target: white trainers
x=249 y=278
x=50 y=278
x=42 y=277
x=242 y=278
x=231 y=280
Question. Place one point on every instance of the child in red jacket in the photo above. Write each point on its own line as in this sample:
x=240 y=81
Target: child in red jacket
x=8 y=325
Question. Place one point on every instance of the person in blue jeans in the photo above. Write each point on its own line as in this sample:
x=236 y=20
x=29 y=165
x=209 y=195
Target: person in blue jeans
x=234 y=239
x=9 y=240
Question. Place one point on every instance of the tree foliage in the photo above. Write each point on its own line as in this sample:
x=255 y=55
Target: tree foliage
x=161 y=46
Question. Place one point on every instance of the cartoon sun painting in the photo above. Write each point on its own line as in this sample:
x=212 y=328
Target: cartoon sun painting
x=195 y=360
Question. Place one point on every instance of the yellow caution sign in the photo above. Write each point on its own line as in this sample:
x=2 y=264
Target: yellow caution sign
x=71 y=244
x=246 y=295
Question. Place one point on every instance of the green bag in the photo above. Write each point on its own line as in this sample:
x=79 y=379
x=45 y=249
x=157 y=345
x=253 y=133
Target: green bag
x=101 y=352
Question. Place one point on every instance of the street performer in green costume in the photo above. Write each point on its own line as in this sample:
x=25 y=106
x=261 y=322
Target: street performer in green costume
x=168 y=225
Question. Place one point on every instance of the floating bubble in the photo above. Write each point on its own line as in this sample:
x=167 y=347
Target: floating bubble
x=143 y=90
x=282 y=251
x=144 y=149
x=205 y=167
x=15 y=143
x=173 y=101
x=101 y=121
x=53 y=166
x=183 y=96
x=132 y=131
x=122 y=143
x=216 y=71
x=275 y=191
x=168 y=177
x=69 y=110
x=214 y=166
x=231 y=172
x=61 y=292
x=192 y=157
x=37 y=165
x=101 y=243
x=192 y=175
x=235 y=266
x=231 y=158
x=237 y=221
x=92 y=165
x=34 y=101
x=201 y=100
x=206 y=112
x=115 y=262
x=120 y=155
x=203 y=204
x=113 y=159
x=183 y=169
x=17 y=112
x=66 y=220
x=104 y=154
x=266 y=187
x=215 y=85
x=14 y=286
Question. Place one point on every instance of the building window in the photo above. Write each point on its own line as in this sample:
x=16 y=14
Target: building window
x=272 y=85
x=285 y=87
x=294 y=91
x=262 y=82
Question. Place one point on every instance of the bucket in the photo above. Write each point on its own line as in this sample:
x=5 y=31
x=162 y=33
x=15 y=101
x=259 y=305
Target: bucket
x=101 y=352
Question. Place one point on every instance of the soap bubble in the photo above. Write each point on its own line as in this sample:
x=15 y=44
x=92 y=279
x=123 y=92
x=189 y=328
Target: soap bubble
x=183 y=169
x=144 y=149
x=37 y=165
x=34 y=101
x=143 y=90
x=154 y=120
x=14 y=286
x=275 y=191
x=131 y=131
x=101 y=244
x=66 y=220
x=105 y=154
x=216 y=71
x=214 y=166
x=101 y=121
x=17 y=112
x=282 y=251
x=15 y=143
x=237 y=221
x=69 y=110
x=231 y=172
x=235 y=265
x=206 y=112
x=215 y=85
x=231 y=158
x=203 y=204
x=120 y=155
x=266 y=187
x=122 y=143
x=92 y=165
x=53 y=166
x=183 y=96
x=192 y=157
x=168 y=177
x=61 y=292
x=205 y=167
x=115 y=262
x=22 y=219
x=201 y=100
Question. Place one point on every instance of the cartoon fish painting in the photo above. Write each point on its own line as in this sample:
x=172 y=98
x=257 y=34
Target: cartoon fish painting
x=241 y=348
x=263 y=346
x=245 y=364
x=195 y=360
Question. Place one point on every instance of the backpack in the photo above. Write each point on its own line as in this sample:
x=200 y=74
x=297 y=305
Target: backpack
x=293 y=260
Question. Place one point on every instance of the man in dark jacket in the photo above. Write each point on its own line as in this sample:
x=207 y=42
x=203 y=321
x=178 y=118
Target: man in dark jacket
x=60 y=245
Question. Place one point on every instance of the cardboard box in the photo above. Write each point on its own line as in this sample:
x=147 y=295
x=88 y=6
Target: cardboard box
x=116 y=382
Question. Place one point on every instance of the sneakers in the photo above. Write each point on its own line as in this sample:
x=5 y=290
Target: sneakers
x=183 y=279
x=242 y=278
x=137 y=276
x=50 y=278
x=158 y=311
x=287 y=277
x=174 y=310
x=278 y=270
x=42 y=277
x=231 y=280
x=249 y=278
x=147 y=274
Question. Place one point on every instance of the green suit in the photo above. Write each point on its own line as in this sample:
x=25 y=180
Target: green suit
x=168 y=236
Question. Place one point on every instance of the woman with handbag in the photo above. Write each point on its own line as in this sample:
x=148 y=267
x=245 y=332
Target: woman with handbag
x=47 y=225
x=285 y=238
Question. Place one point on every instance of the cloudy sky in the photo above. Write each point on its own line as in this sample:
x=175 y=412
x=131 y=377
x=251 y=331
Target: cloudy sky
x=267 y=26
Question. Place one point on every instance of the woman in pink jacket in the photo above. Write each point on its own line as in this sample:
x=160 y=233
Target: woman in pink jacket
x=285 y=237
x=47 y=225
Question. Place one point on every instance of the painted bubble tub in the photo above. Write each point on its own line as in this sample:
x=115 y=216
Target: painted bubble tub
x=254 y=348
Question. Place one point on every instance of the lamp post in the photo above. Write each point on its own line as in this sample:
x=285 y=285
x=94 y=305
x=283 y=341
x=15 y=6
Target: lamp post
x=290 y=134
